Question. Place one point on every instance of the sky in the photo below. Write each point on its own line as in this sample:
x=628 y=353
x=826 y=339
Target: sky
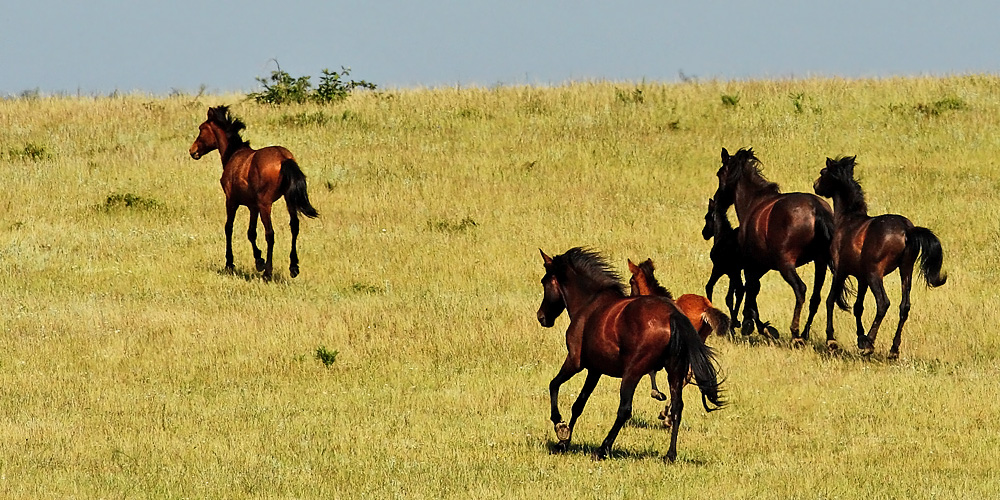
x=103 y=46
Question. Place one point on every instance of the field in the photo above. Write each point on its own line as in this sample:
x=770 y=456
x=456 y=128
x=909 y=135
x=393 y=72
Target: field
x=133 y=365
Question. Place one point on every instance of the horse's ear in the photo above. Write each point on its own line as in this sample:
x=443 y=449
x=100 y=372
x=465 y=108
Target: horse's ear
x=634 y=269
x=829 y=162
x=545 y=258
x=725 y=155
x=649 y=262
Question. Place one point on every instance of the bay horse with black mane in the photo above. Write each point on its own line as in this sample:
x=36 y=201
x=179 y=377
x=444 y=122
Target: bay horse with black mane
x=870 y=248
x=624 y=337
x=254 y=178
x=704 y=317
x=779 y=231
x=727 y=259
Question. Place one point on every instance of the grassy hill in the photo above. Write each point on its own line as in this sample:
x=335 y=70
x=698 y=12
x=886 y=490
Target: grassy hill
x=132 y=365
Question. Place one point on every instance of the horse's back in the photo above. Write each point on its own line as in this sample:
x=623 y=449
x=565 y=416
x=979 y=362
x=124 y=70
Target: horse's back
x=788 y=229
x=618 y=335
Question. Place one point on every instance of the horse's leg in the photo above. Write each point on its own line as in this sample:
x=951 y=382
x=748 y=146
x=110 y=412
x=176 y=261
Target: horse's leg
x=859 y=307
x=905 y=281
x=629 y=382
x=293 y=257
x=252 y=236
x=563 y=433
x=654 y=391
x=735 y=283
x=231 y=207
x=265 y=218
x=677 y=382
x=867 y=344
x=792 y=278
x=836 y=288
x=712 y=280
x=750 y=304
x=815 y=299
x=593 y=376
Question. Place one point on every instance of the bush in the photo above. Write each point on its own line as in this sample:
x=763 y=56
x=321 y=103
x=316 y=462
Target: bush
x=282 y=88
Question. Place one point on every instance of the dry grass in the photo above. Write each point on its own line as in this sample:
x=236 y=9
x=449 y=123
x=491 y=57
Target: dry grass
x=132 y=365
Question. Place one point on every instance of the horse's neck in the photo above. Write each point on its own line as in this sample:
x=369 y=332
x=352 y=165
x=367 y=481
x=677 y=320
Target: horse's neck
x=849 y=205
x=749 y=196
x=226 y=149
x=579 y=300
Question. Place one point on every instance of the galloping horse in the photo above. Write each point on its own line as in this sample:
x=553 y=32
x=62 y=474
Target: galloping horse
x=779 y=231
x=869 y=248
x=254 y=178
x=625 y=337
x=727 y=259
x=703 y=316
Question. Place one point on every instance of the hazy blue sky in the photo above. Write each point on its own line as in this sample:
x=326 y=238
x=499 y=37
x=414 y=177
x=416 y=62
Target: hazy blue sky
x=99 y=46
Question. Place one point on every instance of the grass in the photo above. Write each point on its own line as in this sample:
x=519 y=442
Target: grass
x=131 y=364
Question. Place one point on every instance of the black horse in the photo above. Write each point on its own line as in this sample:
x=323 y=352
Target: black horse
x=726 y=259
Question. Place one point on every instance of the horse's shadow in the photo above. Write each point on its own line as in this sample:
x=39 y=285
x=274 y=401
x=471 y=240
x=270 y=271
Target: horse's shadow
x=590 y=450
x=250 y=275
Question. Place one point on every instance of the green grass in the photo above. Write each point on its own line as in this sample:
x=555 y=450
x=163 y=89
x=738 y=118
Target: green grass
x=132 y=364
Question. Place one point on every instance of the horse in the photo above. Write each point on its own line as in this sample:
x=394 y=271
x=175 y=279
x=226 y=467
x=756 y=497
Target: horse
x=726 y=258
x=778 y=231
x=619 y=336
x=869 y=248
x=254 y=178
x=699 y=311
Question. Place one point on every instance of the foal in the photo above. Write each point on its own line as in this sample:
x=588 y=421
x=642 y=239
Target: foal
x=726 y=259
x=869 y=248
x=254 y=178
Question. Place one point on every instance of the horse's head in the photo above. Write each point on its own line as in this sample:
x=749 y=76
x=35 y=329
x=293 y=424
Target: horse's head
x=837 y=175
x=552 y=300
x=207 y=141
x=219 y=131
x=639 y=282
x=735 y=168
x=708 y=231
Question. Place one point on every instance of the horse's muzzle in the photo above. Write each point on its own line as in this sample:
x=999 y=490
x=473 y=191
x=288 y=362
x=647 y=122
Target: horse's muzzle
x=196 y=155
x=544 y=321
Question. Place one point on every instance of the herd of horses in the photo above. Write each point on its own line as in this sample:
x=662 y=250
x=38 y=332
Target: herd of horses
x=631 y=335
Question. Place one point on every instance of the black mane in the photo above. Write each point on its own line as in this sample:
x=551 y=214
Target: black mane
x=842 y=171
x=745 y=165
x=647 y=267
x=231 y=125
x=591 y=266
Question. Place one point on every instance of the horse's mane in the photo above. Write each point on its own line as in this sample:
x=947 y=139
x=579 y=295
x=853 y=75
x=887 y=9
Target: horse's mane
x=231 y=125
x=842 y=171
x=745 y=165
x=647 y=268
x=591 y=266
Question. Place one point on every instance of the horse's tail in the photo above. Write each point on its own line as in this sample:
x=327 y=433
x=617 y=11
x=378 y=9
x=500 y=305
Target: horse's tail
x=686 y=352
x=717 y=320
x=921 y=239
x=293 y=183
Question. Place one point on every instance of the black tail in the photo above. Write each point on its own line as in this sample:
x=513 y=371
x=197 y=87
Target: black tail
x=924 y=241
x=293 y=183
x=686 y=351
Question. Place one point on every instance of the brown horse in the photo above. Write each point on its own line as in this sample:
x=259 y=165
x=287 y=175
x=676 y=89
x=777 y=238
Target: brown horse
x=869 y=248
x=624 y=337
x=779 y=231
x=703 y=316
x=254 y=178
x=727 y=259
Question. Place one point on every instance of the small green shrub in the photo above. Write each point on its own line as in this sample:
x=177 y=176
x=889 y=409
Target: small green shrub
x=283 y=88
x=30 y=152
x=304 y=119
x=730 y=100
x=327 y=356
x=120 y=201
x=447 y=226
x=633 y=96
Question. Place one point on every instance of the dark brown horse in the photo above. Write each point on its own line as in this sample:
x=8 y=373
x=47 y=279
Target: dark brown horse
x=611 y=334
x=869 y=248
x=254 y=178
x=727 y=259
x=779 y=231
x=704 y=317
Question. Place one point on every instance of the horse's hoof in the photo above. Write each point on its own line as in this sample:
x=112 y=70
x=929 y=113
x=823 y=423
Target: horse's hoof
x=600 y=454
x=831 y=345
x=562 y=432
x=657 y=395
x=561 y=447
x=867 y=351
x=747 y=328
x=670 y=457
x=663 y=416
x=293 y=271
x=798 y=343
x=893 y=355
x=771 y=332
x=261 y=264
